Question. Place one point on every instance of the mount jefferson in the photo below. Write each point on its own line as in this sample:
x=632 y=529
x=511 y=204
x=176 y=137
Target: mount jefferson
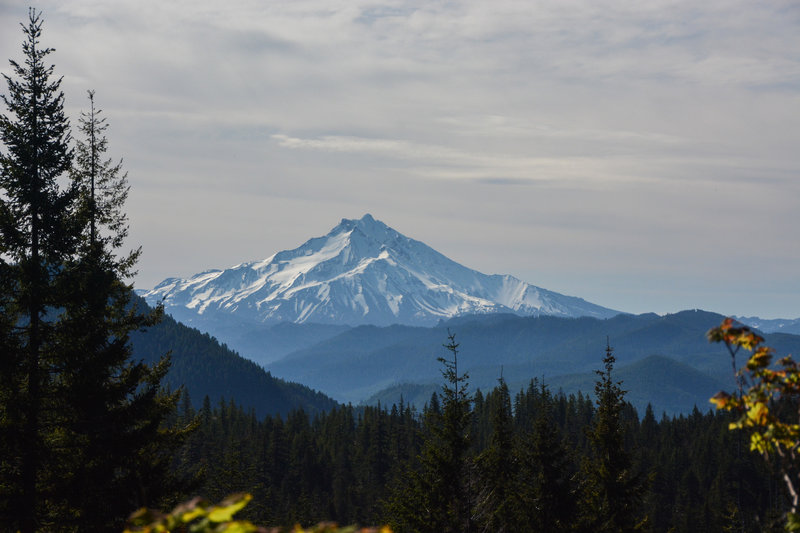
x=361 y=272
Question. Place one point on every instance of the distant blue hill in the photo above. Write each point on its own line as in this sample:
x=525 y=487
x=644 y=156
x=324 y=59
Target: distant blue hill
x=776 y=325
x=669 y=386
x=663 y=359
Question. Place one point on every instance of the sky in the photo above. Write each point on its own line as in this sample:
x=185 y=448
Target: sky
x=644 y=156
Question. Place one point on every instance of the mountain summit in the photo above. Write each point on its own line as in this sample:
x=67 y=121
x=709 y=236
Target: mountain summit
x=362 y=272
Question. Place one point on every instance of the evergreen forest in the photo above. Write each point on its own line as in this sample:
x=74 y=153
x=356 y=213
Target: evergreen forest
x=529 y=461
x=92 y=429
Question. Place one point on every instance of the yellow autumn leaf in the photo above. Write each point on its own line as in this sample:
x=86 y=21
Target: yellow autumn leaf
x=240 y=526
x=760 y=358
x=190 y=515
x=748 y=340
x=224 y=511
x=758 y=414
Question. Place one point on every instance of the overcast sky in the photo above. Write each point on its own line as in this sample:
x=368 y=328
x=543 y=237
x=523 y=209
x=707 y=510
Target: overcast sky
x=644 y=156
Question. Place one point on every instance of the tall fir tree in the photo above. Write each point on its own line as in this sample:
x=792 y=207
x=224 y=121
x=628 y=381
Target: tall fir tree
x=498 y=502
x=612 y=492
x=116 y=407
x=549 y=493
x=437 y=497
x=37 y=235
x=80 y=423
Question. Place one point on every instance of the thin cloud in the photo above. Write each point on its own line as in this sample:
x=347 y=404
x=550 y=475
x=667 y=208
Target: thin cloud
x=456 y=164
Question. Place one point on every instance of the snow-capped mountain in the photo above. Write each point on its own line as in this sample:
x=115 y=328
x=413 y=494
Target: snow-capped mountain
x=772 y=325
x=362 y=272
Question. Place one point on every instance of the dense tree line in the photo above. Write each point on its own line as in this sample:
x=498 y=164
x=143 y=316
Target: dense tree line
x=529 y=461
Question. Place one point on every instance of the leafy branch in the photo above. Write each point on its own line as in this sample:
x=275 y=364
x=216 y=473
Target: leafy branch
x=200 y=516
x=767 y=404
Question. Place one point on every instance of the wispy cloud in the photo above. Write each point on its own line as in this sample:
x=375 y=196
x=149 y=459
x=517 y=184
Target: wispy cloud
x=441 y=162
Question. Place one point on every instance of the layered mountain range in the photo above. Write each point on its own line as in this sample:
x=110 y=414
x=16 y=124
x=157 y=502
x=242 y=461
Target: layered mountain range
x=664 y=360
x=773 y=325
x=361 y=314
x=361 y=272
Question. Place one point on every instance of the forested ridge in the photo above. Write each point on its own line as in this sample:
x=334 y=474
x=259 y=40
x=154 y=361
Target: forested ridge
x=205 y=367
x=347 y=464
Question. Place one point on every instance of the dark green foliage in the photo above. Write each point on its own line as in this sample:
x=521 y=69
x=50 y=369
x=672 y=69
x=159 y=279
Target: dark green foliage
x=436 y=496
x=207 y=368
x=119 y=455
x=547 y=471
x=35 y=237
x=83 y=433
x=525 y=472
x=612 y=492
x=303 y=468
x=499 y=504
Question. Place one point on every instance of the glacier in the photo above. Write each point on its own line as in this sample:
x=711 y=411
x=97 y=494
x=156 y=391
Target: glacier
x=361 y=272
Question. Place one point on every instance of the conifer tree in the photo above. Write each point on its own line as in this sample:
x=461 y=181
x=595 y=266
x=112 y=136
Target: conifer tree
x=498 y=505
x=115 y=405
x=549 y=497
x=612 y=493
x=437 y=496
x=36 y=235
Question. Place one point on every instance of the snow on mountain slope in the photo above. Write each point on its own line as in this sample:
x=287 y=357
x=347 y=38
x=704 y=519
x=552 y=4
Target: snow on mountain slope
x=362 y=272
x=774 y=325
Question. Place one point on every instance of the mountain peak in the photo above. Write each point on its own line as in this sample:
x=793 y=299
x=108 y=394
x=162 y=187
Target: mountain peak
x=367 y=224
x=361 y=272
x=367 y=219
x=365 y=237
